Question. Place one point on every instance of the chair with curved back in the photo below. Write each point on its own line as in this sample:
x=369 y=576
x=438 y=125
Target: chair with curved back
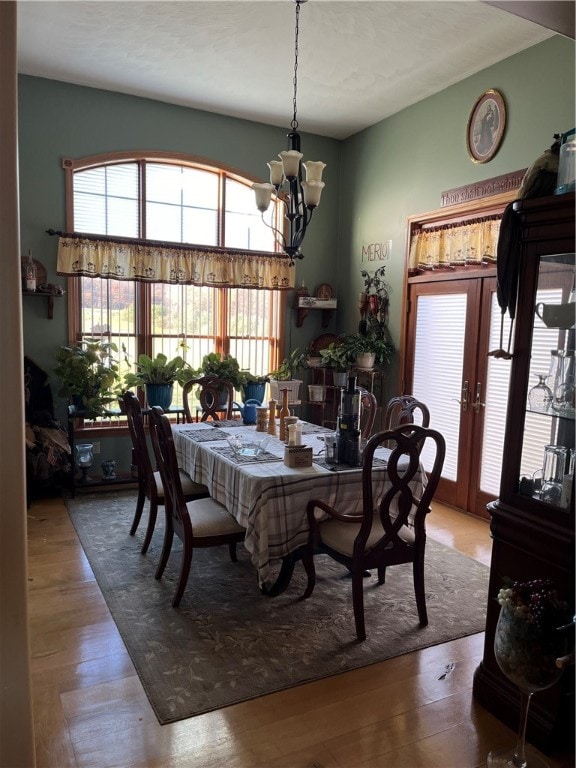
x=200 y=523
x=391 y=529
x=402 y=409
x=368 y=414
x=149 y=481
x=211 y=389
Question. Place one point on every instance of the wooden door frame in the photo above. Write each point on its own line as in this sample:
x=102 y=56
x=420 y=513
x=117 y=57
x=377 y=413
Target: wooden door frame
x=453 y=214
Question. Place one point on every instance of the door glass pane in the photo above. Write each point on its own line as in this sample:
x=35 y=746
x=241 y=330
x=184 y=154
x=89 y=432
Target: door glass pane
x=496 y=400
x=439 y=355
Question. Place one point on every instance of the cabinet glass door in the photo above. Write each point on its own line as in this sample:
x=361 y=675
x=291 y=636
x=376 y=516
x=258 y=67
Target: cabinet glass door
x=547 y=457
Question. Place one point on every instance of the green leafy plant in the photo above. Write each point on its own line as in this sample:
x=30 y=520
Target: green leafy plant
x=89 y=375
x=159 y=370
x=295 y=361
x=357 y=344
x=223 y=367
x=336 y=356
x=252 y=378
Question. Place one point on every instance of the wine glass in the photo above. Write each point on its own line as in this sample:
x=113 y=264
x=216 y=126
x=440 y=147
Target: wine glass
x=540 y=396
x=526 y=653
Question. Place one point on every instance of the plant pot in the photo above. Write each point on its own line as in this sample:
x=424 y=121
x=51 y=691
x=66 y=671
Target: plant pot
x=365 y=361
x=293 y=387
x=316 y=393
x=314 y=361
x=159 y=394
x=339 y=378
x=253 y=390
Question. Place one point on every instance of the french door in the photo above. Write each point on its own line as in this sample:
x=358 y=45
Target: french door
x=452 y=326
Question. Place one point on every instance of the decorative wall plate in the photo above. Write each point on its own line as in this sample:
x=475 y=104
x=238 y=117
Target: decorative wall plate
x=323 y=342
x=324 y=291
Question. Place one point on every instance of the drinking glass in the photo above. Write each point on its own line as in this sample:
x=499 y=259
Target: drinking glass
x=565 y=389
x=526 y=653
x=553 y=473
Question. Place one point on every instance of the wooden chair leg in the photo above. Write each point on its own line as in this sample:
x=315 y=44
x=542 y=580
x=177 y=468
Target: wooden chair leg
x=232 y=550
x=151 y=525
x=139 y=507
x=309 y=567
x=381 y=574
x=358 y=602
x=166 y=549
x=419 y=590
x=184 y=573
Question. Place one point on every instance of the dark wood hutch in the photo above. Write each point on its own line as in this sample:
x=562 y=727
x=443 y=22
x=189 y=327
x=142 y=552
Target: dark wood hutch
x=534 y=538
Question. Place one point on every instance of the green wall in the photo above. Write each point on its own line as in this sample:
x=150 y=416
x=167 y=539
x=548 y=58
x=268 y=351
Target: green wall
x=57 y=120
x=374 y=180
x=401 y=166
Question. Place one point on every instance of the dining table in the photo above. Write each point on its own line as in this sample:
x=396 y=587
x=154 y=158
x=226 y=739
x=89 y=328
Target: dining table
x=267 y=497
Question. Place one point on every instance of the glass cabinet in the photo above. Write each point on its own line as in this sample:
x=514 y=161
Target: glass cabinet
x=532 y=521
x=547 y=455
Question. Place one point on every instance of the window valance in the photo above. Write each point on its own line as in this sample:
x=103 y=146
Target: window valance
x=474 y=242
x=82 y=255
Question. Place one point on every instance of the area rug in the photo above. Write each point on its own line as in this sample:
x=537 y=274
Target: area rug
x=228 y=643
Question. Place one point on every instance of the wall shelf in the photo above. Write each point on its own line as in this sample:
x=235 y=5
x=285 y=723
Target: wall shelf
x=41 y=280
x=323 y=302
x=49 y=299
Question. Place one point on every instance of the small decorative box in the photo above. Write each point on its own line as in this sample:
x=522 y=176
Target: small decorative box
x=297 y=456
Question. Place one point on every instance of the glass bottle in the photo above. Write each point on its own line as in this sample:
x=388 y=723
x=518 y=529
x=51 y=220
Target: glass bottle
x=540 y=396
x=30 y=277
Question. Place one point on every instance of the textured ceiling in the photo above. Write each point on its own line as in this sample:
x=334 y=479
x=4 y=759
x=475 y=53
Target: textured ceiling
x=360 y=62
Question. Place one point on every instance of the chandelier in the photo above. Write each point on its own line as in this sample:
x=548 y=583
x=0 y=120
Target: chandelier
x=300 y=198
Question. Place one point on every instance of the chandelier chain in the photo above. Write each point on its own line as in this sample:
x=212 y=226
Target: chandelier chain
x=294 y=123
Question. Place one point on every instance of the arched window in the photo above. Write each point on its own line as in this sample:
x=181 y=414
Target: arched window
x=173 y=199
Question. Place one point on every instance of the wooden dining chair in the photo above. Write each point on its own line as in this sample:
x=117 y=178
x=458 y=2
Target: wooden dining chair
x=212 y=403
x=402 y=410
x=149 y=481
x=201 y=523
x=391 y=528
x=368 y=413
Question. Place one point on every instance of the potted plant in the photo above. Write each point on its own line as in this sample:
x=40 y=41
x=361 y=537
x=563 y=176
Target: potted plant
x=337 y=357
x=89 y=376
x=367 y=349
x=253 y=387
x=283 y=377
x=157 y=377
x=222 y=367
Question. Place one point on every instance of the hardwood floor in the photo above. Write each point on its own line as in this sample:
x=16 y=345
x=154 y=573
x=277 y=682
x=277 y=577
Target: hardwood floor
x=91 y=711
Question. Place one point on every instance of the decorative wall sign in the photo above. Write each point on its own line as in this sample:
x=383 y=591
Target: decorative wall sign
x=486 y=127
x=377 y=251
x=508 y=182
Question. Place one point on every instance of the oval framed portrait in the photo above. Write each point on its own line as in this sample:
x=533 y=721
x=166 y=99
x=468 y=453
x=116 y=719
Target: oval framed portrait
x=486 y=126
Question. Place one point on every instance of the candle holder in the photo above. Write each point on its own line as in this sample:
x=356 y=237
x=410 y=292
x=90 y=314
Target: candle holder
x=84 y=459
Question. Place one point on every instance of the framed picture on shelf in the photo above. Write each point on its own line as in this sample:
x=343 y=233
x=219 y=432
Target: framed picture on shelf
x=486 y=126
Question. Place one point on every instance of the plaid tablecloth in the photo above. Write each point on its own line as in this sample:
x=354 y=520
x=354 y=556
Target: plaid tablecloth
x=269 y=499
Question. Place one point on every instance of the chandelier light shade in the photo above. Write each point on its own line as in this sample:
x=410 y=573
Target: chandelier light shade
x=299 y=196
